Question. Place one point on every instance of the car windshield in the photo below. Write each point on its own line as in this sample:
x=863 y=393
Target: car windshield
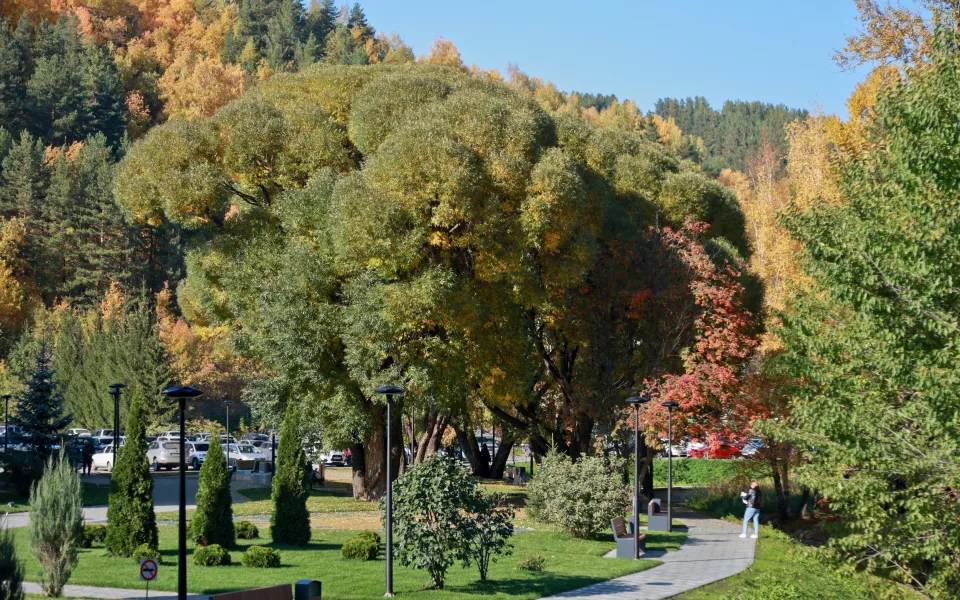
x=201 y=447
x=247 y=449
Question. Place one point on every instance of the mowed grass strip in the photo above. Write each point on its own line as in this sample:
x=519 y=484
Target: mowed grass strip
x=93 y=495
x=570 y=563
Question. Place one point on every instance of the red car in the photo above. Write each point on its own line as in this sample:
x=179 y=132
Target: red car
x=724 y=450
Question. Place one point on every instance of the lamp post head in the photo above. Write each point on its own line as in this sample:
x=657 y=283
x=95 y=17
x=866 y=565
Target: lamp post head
x=390 y=390
x=670 y=405
x=181 y=391
x=227 y=401
x=637 y=400
x=117 y=386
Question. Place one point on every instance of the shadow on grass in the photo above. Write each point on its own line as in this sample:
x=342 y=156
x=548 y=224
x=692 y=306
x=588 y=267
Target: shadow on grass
x=544 y=584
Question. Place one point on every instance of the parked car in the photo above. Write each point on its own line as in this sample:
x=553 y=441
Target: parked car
x=163 y=454
x=265 y=448
x=204 y=437
x=751 y=447
x=169 y=435
x=333 y=457
x=242 y=452
x=79 y=432
x=254 y=437
x=103 y=459
x=723 y=450
x=196 y=453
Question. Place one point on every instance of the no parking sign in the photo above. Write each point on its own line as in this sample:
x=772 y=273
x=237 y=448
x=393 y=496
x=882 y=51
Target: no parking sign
x=148 y=570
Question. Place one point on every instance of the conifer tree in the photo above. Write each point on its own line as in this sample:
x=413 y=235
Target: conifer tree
x=283 y=35
x=290 y=521
x=213 y=521
x=130 y=517
x=40 y=414
x=322 y=20
x=11 y=568
x=56 y=523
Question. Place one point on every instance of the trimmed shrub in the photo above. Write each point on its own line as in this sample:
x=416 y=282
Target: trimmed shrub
x=56 y=523
x=534 y=562
x=290 y=520
x=130 y=518
x=433 y=525
x=245 y=530
x=213 y=555
x=213 y=521
x=145 y=551
x=94 y=534
x=11 y=569
x=261 y=557
x=579 y=497
x=363 y=546
x=706 y=471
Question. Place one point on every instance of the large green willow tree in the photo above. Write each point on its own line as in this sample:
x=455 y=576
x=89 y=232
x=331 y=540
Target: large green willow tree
x=415 y=225
x=876 y=344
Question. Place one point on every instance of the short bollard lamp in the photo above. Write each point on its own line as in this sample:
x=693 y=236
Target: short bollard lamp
x=636 y=402
x=390 y=391
x=181 y=393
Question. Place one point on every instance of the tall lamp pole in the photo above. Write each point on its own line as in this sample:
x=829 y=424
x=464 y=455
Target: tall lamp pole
x=181 y=393
x=390 y=391
x=228 y=402
x=115 y=392
x=670 y=406
x=635 y=402
x=6 y=422
x=273 y=454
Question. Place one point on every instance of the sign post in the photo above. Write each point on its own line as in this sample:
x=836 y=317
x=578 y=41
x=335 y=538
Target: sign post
x=148 y=572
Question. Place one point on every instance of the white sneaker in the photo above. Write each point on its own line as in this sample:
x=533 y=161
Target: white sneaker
x=743 y=535
x=753 y=537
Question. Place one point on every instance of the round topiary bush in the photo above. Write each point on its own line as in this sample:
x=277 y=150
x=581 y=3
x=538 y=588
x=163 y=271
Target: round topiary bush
x=261 y=557
x=363 y=546
x=213 y=555
x=94 y=534
x=145 y=551
x=245 y=530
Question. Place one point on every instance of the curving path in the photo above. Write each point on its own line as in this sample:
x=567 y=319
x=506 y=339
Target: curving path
x=711 y=552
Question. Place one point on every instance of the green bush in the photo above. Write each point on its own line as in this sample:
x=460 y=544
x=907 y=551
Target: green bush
x=145 y=551
x=130 y=518
x=245 y=530
x=534 y=562
x=290 y=520
x=492 y=528
x=55 y=531
x=261 y=557
x=213 y=555
x=705 y=471
x=580 y=497
x=94 y=534
x=364 y=546
x=433 y=527
x=11 y=569
x=213 y=521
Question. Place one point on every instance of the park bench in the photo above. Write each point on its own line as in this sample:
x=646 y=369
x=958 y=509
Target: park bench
x=276 y=592
x=656 y=520
x=623 y=535
x=515 y=475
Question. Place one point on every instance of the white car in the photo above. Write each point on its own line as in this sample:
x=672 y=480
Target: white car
x=196 y=454
x=169 y=436
x=242 y=452
x=103 y=460
x=164 y=455
x=79 y=432
x=333 y=457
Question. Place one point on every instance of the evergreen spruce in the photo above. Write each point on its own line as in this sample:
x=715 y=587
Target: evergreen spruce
x=55 y=531
x=322 y=20
x=213 y=521
x=130 y=518
x=290 y=521
x=40 y=407
x=11 y=568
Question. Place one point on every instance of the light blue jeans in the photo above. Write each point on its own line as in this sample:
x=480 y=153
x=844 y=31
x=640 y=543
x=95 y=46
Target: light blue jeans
x=752 y=513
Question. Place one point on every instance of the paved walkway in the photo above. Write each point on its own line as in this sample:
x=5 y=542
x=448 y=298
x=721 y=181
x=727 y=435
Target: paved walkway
x=712 y=552
x=84 y=591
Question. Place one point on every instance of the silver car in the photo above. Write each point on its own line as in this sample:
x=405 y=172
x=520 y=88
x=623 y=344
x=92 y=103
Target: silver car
x=196 y=454
x=163 y=454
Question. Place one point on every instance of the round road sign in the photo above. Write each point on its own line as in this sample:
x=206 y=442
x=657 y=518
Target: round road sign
x=148 y=569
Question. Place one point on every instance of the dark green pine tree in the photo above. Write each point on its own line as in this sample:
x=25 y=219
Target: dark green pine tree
x=342 y=48
x=359 y=19
x=290 y=520
x=144 y=361
x=106 y=96
x=321 y=20
x=57 y=98
x=284 y=31
x=130 y=518
x=251 y=27
x=60 y=224
x=12 y=85
x=24 y=180
x=213 y=521
x=40 y=412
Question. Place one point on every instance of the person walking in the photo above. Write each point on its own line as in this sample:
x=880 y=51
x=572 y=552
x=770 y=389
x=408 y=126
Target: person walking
x=86 y=456
x=485 y=455
x=751 y=498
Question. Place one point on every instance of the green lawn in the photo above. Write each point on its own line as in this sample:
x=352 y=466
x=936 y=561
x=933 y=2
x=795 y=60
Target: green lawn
x=570 y=563
x=93 y=495
x=785 y=569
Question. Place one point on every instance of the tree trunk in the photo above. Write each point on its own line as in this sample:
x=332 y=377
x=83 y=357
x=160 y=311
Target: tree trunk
x=369 y=458
x=434 y=426
x=507 y=440
x=471 y=450
x=778 y=487
x=804 y=499
x=785 y=474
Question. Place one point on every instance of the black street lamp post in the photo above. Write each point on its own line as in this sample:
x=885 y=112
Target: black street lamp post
x=181 y=393
x=273 y=454
x=635 y=402
x=115 y=392
x=670 y=406
x=390 y=391
x=228 y=403
x=6 y=422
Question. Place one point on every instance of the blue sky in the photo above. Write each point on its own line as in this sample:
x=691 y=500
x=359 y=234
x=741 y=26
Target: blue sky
x=775 y=51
